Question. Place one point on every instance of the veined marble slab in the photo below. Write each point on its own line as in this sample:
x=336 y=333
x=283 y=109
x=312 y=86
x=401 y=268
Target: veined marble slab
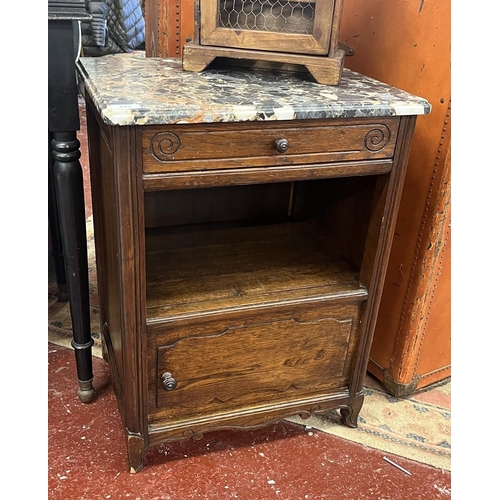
x=130 y=89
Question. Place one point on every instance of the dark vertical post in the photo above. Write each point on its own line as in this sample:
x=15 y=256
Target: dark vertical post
x=55 y=232
x=64 y=121
x=71 y=208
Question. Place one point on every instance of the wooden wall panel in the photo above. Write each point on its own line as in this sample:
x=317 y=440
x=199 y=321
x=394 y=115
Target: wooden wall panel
x=169 y=23
x=407 y=44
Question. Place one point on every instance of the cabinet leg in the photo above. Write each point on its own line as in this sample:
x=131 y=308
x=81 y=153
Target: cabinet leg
x=70 y=201
x=350 y=414
x=136 y=452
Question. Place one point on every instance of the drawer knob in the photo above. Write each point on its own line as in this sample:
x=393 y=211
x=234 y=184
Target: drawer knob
x=281 y=145
x=168 y=381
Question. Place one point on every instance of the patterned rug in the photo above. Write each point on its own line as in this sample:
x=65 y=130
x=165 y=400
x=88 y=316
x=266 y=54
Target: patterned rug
x=417 y=428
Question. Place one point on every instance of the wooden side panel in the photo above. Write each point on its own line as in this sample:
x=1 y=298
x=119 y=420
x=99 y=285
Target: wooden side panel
x=407 y=44
x=106 y=236
x=120 y=260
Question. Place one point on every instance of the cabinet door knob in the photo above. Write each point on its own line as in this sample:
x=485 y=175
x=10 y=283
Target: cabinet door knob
x=281 y=145
x=168 y=381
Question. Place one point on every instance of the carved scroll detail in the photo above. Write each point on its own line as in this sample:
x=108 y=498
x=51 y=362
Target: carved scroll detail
x=378 y=138
x=191 y=434
x=164 y=145
x=316 y=409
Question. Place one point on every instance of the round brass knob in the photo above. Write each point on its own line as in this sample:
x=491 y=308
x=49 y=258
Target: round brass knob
x=281 y=145
x=168 y=381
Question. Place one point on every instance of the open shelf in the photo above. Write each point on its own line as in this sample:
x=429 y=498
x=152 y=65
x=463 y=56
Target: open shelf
x=211 y=267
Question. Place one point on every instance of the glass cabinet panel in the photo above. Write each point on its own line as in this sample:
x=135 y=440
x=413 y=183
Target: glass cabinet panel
x=281 y=16
x=300 y=26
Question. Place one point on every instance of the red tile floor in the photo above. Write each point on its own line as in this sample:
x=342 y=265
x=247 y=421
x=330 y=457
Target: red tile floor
x=87 y=457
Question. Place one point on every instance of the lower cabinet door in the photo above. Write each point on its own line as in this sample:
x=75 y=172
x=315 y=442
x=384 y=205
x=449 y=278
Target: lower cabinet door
x=214 y=366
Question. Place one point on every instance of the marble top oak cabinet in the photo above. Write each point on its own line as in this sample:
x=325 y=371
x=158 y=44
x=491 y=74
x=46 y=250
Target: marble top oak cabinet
x=243 y=221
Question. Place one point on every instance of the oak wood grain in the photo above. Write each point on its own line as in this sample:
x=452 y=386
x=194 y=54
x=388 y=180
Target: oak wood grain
x=255 y=286
x=180 y=148
x=207 y=270
x=277 y=355
x=260 y=175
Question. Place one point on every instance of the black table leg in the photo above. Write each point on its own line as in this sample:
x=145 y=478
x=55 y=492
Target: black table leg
x=68 y=179
x=55 y=233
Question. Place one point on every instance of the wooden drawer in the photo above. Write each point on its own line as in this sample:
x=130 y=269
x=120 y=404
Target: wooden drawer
x=254 y=359
x=181 y=148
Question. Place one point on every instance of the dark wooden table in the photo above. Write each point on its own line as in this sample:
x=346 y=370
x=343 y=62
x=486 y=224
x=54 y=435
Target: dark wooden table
x=66 y=194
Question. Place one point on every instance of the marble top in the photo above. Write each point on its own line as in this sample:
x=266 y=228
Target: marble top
x=130 y=89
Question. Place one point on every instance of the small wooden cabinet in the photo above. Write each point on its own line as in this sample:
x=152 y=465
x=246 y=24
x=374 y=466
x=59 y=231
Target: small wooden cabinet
x=241 y=246
x=281 y=32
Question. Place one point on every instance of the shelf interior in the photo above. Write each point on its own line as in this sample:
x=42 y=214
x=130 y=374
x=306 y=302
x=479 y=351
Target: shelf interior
x=210 y=267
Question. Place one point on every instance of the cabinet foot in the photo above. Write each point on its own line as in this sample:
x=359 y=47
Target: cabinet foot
x=136 y=453
x=350 y=414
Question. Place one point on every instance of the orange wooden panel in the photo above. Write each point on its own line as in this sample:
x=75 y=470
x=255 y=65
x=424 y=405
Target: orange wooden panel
x=407 y=44
x=169 y=23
